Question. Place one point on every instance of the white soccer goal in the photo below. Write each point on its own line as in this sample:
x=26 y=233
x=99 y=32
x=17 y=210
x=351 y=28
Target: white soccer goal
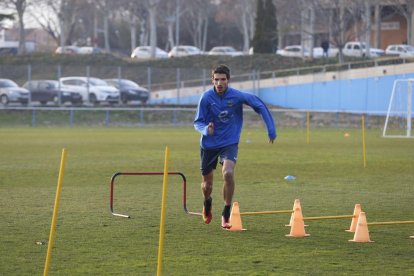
x=400 y=110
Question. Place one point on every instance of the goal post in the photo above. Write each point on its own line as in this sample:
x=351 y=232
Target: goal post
x=398 y=123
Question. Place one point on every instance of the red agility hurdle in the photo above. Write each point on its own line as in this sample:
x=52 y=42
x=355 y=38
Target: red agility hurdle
x=111 y=202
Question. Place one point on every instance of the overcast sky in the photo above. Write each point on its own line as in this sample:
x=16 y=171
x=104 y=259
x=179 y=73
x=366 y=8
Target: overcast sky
x=29 y=19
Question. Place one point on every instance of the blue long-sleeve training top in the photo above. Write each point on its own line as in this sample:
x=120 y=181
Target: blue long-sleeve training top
x=226 y=112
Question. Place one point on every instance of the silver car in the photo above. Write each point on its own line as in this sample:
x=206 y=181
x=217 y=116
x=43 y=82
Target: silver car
x=224 y=51
x=11 y=92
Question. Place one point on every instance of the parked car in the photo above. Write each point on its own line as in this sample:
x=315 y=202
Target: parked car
x=8 y=51
x=10 y=92
x=67 y=50
x=87 y=50
x=93 y=90
x=130 y=91
x=45 y=91
x=224 y=50
x=358 y=49
x=318 y=52
x=293 y=51
x=401 y=50
x=144 y=52
x=184 y=50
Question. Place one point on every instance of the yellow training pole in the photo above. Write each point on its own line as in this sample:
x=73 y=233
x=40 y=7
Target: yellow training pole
x=363 y=141
x=162 y=222
x=266 y=213
x=391 y=222
x=55 y=212
x=307 y=127
x=329 y=217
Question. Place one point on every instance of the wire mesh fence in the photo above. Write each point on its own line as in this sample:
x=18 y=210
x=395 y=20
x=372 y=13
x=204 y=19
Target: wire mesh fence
x=138 y=117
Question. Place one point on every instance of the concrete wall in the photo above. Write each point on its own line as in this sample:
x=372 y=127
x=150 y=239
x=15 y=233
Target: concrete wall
x=365 y=90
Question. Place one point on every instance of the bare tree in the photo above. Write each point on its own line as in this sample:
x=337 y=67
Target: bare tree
x=195 y=21
x=245 y=20
x=136 y=12
x=308 y=26
x=59 y=19
x=406 y=8
x=169 y=16
x=20 y=7
x=377 y=16
x=105 y=7
x=289 y=20
x=151 y=6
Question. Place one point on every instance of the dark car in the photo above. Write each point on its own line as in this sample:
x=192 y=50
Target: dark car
x=11 y=92
x=8 y=51
x=130 y=91
x=44 y=91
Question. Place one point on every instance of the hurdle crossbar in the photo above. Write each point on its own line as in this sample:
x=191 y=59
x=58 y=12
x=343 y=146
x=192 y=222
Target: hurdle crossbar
x=111 y=202
x=329 y=217
x=391 y=222
x=266 y=212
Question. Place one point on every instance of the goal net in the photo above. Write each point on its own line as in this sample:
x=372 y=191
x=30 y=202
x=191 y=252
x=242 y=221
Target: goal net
x=400 y=110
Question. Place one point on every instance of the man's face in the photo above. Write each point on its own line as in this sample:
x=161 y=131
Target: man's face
x=220 y=82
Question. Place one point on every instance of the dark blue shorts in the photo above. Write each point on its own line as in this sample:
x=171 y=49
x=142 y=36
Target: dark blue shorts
x=210 y=158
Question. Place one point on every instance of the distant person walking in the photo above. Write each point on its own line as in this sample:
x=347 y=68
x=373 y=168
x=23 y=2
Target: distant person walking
x=325 y=48
x=219 y=119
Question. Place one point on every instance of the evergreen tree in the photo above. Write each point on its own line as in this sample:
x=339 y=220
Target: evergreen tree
x=265 y=35
x=258 y=33
x=270 y=26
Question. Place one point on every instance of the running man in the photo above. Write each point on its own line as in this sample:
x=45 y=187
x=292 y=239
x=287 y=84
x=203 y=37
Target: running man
x=219 y=119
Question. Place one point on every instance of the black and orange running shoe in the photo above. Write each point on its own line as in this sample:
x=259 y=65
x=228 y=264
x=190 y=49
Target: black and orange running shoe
x=207 y=214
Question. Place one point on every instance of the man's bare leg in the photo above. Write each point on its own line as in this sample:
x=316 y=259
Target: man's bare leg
x=207 y=189
x=228 y=190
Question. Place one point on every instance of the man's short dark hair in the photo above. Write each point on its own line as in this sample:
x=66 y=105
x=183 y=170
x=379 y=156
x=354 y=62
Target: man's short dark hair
x=221 y=69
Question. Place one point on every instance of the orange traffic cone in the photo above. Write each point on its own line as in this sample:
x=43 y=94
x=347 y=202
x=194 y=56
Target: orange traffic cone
x=361 y=231
x=357 y=211
x=296 y=204
x=297 y=229
x=235 y=218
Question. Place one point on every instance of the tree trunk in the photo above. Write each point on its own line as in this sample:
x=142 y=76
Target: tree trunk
x=170 y=28
x=245 y=32
x=133 y=30
x=143 y=35
x=377 y=26
x=341 y=32
x=22 y=40
x=95 y=29
x=204 y=45
x=20 y=8
x=410 y=22
x=311 y=31
x=153 y=26
x=106 y=29
x=199 y=31
x=368 y=28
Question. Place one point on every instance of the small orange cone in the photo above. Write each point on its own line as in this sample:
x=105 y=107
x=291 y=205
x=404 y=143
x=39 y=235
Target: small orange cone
x=357 y=211
x=296 y=204
x=297 y=229
x=361 y=231
x=235 y=218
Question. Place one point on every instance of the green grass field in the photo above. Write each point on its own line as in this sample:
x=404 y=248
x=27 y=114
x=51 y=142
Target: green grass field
x=330 y=180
